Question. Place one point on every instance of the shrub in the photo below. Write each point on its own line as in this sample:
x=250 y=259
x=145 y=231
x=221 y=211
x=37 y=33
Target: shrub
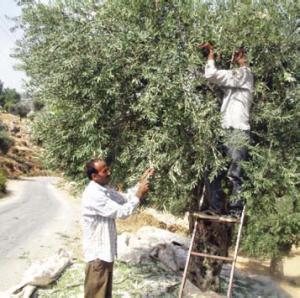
x=5 y=142
x=31 y=115
x=37 y=105
x=2 y=181
x=3 y=126
x=21 y=109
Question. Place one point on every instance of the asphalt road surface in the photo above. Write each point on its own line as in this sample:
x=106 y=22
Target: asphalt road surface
x=36 y=220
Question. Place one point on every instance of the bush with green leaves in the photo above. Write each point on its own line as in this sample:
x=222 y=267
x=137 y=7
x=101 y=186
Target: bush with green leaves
x=122 y=80
x=3 y=126
x=5 y=140
x=2 y=182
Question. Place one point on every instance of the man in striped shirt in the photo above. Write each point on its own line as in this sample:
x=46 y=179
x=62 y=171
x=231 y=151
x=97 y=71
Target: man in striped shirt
x=101 y=205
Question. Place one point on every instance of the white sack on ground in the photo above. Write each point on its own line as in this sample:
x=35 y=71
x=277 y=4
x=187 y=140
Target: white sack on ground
x=40 y=273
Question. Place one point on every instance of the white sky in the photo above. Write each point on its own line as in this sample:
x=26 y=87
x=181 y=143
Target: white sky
x=10 y=77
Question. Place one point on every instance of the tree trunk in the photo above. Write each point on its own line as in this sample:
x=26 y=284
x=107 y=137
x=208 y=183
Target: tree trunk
x=276 y=267
x=211 y=238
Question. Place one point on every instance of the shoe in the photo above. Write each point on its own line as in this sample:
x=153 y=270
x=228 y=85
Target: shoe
x=235 y=212
x=239 y=204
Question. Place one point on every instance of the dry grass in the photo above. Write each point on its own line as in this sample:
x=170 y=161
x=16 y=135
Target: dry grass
x=136 y=221
x=23 y=158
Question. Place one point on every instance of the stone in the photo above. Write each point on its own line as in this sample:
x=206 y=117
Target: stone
x=150 y=242
x=191 y=291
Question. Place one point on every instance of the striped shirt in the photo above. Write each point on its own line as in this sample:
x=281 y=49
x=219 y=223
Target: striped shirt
x=238 y=87
x=101 y=205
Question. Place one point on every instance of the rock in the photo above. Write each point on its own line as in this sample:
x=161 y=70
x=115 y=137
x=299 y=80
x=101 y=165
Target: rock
x=171 y=255
x=15 y=129
x=131 y=253
x=165 y=253
x=149 y=242
x=156 y=236
x=192 y=291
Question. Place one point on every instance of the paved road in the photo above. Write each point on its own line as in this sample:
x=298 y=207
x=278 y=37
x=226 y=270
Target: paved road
x=36 y=219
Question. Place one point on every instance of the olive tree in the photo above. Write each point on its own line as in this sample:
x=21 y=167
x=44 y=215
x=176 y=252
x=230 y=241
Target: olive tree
x=123 y=80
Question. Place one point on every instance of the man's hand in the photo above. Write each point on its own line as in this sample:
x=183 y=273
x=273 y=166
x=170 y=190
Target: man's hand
x=207 y=46
x=147 y=174
x=143 y=188
x=144 y=183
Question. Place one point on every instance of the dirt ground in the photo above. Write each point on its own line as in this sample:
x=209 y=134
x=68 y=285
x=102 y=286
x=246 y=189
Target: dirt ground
x=289 y=281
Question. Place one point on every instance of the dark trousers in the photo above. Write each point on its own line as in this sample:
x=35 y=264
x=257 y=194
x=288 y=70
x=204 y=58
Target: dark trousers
x=235 y=147
x=98 y=279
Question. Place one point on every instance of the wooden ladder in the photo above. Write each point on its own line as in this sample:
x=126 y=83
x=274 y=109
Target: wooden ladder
x=222 y=219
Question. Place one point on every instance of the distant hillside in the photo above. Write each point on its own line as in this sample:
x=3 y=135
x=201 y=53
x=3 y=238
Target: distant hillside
x=22 y=158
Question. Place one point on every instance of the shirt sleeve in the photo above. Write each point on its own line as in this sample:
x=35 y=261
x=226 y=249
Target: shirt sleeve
x=226 y=78
x=130 y=194
x=100 y=203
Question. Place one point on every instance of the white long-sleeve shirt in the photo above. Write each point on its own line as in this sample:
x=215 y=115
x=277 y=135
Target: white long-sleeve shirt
x=238 y=86
x=101 y=205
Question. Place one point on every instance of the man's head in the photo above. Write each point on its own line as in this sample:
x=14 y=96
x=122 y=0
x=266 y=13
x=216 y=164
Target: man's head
x=98 y=171
x=240 y=57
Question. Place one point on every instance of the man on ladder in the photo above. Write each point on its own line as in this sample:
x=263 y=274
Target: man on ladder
x=238 y=86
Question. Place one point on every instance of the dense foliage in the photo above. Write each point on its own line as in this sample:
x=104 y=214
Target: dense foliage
x=122 y=79
x=5 y=144
x=38 y=105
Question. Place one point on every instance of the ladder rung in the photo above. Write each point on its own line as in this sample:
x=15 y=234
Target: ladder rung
x=200 y=254
x=222 y=218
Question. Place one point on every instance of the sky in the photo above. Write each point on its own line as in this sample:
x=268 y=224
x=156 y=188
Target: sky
x=10 y=77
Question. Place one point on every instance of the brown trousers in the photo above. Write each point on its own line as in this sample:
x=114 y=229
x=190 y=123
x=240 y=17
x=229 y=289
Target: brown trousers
x=98 y=279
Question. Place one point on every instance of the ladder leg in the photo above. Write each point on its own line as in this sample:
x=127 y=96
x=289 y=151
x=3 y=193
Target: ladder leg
x=188 y=260
x=229 y=291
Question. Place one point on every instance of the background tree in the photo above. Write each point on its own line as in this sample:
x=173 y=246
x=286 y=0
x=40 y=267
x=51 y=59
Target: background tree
x=1 y=87
x=122 y=79
x=8 y=97
x=21 y=109
x=10 y=100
